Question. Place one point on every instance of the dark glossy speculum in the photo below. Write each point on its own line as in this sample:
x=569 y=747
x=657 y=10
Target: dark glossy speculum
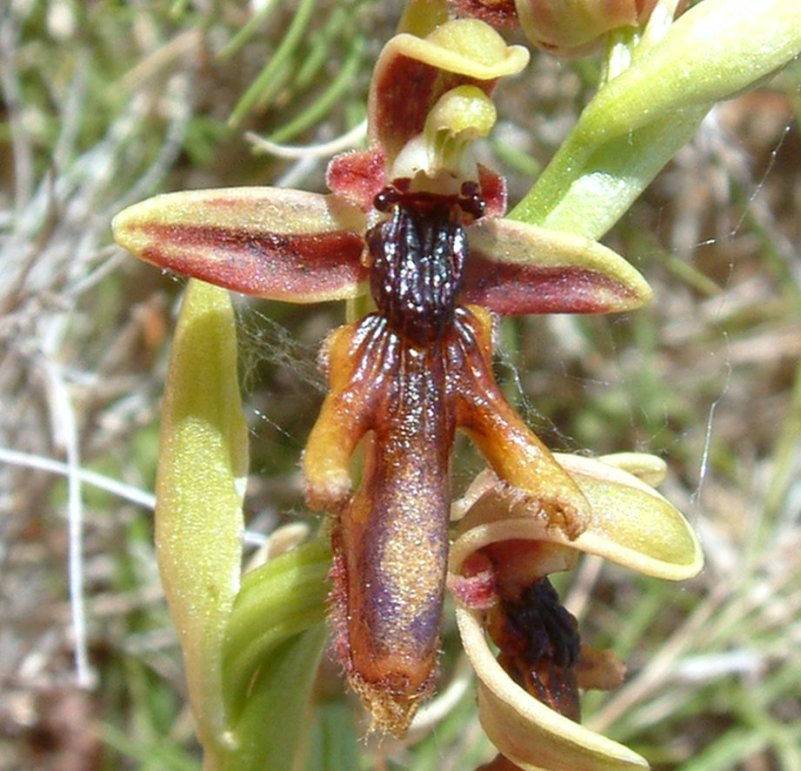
x=417 y=258
x=539 y=645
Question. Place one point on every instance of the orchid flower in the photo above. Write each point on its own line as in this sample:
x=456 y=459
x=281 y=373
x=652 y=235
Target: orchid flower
x=499 y=563
x=415 y=222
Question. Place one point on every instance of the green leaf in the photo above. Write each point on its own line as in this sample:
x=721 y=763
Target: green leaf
x=334 y=743
x=277 y=601
x=274 y=722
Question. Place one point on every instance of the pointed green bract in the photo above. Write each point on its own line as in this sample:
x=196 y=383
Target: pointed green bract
x=199 y=488
x=273 y=643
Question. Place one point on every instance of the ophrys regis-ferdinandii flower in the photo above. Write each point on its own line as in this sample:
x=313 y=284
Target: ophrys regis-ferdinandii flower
x=414 y=221
x=505 y=549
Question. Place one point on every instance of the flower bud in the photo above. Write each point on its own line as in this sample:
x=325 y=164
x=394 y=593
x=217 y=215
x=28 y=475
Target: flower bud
x=574 y=27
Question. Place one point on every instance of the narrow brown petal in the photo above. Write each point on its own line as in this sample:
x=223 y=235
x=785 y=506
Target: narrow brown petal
x=357 y=176
x=516 y=268
x=269 y=242
x=493 y=191
x=513 y=451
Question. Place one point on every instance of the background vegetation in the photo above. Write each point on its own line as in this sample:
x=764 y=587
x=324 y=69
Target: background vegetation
x=105 y=103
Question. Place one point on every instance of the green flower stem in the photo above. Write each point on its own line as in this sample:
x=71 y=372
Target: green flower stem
x=200 y=484
x=638 y=119
x=586 y=192
x=277 y=601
